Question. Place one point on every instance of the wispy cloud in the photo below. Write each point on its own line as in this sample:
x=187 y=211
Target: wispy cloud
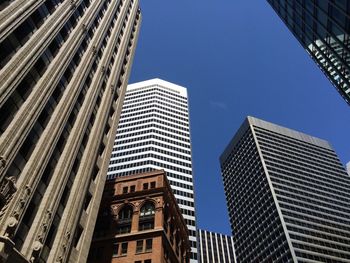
x=218 y=105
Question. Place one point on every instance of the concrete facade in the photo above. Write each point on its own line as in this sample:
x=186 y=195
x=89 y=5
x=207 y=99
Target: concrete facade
x=215 y=247
x=140 y=221
x=287 y=196
x=64 y=67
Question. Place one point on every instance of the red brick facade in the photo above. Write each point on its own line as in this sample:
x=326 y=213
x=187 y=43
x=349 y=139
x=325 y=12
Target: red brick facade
x=139 y=222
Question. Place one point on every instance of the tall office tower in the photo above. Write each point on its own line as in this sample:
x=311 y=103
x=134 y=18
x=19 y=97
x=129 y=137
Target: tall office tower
x=154 y=133
x=215 y=247
x=348 y=167
x=322 y=28
x=64 y=66
x=287 y=195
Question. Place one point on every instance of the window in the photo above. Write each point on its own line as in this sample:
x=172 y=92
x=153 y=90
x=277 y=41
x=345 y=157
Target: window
x=145 y=186
x=153 y=184
x=139 y=246
x=147 y=210
x=124 y=220
x=132 y=188
x=146 y=220
x=125 y=190
x=115 y=250
x=124 y=248
x=148 y=245
x=148 y=261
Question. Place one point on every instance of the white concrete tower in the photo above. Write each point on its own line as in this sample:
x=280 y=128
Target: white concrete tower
x=154 y=133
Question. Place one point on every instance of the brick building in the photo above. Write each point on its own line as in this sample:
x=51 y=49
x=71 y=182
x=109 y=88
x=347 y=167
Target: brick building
x=140 y=222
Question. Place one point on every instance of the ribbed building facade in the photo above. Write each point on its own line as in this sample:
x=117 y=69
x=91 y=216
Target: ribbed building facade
x=64 y=67
x=215 y=247
x=322 y=28
x=154 y=133
x=287 y=195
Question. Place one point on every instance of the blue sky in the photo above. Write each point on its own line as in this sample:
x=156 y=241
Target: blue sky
x=236 y=58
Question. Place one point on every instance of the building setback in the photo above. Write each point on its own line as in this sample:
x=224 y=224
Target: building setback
x=322 y=28
x=140 y=221
x=215 y=247
x=64 y=67
x=154 y=133
x=287 y=195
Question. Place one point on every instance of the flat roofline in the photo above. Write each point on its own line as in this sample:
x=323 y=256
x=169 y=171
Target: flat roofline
x=252 y=121
x=156 y=81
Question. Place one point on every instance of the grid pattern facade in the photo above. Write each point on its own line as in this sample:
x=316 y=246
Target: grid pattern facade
x=215 y=247
x=322 y=27
x=287 y=194
x=64 y=67
x=154 y=133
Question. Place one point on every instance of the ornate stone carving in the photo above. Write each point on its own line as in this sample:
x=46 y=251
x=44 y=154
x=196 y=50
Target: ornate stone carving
x=7 y=189
x=64 y=246
x=44 y=226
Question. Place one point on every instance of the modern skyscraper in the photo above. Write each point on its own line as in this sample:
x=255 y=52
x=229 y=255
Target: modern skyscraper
x=287 y=195
x=322 y=28
x=140 y=221
x=348 y=167
x=154 y=133
x=215 y=247
x=64 y=67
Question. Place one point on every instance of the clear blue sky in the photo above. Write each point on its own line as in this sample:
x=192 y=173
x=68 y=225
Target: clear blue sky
x=236 y=58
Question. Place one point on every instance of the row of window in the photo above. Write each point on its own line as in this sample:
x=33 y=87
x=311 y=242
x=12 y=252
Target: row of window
x=148 y=149
x=145 y=186
x=129 y=135
x=154 y=97
x=153 y=105
x=150 y=155
x=133 y=93
x=185 y=124
x=150 y=120
x=156 y=91
x=153 y=109
x=153 y=101
x=153 y=125
x=152 y=136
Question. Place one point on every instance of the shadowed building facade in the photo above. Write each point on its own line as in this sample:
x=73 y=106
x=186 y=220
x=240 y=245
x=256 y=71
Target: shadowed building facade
x=215 y=247
x=287 y=195
x=140 y=221
x=64 y=67
x=322 y=28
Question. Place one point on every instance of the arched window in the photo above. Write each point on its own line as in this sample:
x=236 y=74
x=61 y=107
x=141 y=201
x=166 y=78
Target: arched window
x=147 y=210
x=146 y=220
x=124 y=220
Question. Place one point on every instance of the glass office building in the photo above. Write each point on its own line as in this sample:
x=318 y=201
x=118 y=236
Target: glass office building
x=322 y=28
x=154 y=133
x=287 y=195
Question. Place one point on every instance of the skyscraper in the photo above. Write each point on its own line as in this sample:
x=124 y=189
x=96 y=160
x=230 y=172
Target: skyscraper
x=287 y=195
x=64 y=67
x=322 y=28
x=348 y=167
x=215 y=247
x=154 y=133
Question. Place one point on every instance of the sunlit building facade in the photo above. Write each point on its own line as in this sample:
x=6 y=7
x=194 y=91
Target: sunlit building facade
x=215 y=247
x=322 y=28
x=64 y=68
x=287 y=195
x=154 y=133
